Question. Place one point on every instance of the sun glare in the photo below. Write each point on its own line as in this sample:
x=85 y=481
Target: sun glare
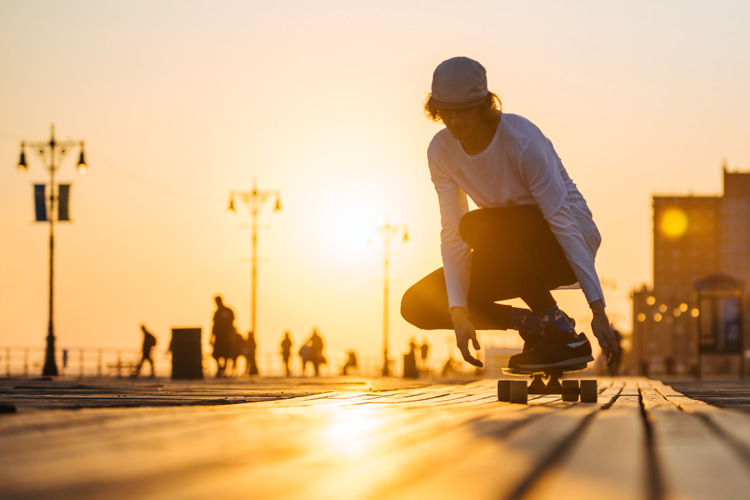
x=348 y=223
x=351 y=430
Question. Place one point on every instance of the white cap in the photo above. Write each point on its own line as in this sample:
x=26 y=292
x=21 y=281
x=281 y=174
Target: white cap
x=457 y=83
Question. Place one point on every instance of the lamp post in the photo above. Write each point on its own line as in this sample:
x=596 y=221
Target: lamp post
x=254 y=199
x=52 y=153
x=388 y=231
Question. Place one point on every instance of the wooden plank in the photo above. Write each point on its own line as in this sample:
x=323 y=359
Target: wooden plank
x=252 y=448
x=608 y=461
x=402 y=470
x=496 y=468
x=437 y=442
x=734 y=426
x=694 y=462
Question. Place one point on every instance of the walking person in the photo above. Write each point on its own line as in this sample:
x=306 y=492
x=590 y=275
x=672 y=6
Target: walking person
x=286 y=351
x=222 y=334
x=312 y=352
x=149 y=341
x=316 y=351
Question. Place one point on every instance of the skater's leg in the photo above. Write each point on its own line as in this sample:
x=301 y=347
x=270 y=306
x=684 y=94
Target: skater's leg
x=425 y=305
x=516 y=254
x=517 y=248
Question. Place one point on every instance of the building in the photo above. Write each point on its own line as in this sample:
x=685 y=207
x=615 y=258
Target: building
x=697 y=239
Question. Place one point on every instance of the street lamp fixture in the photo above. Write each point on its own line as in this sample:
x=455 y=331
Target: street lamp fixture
x=254 y=199
x=52 y=153
x=22 y=162
x=388 y=231
x=82 y=167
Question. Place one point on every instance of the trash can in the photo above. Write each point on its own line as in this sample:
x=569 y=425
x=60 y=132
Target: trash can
x=187 y=355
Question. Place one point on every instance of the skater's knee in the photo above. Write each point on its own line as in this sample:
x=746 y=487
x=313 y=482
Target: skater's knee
x=425 y=311
x=425 y=304
x=415 y=308
x=410 y=307
x=467 y=224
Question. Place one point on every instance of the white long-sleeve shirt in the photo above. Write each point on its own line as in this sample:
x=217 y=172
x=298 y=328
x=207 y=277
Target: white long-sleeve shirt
x=519 y=167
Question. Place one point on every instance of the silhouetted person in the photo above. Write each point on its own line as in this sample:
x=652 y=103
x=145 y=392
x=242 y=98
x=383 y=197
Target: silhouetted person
x=424 y=351
x=312 y=352
x=236 y=349
x=304 y=356
x=410 y=361
x=149 y=341
x=286 y=351
x=251 y=349
x=532 y=233
x=222 y=335
x=351 y=363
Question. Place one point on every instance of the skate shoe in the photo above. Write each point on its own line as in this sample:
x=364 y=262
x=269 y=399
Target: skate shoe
x=555 y=349
x=531 y=337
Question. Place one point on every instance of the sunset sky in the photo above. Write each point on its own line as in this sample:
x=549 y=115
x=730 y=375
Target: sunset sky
x=181 y=102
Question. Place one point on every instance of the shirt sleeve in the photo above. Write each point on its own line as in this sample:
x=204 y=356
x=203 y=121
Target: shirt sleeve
x=455 y=252
x=540 y=169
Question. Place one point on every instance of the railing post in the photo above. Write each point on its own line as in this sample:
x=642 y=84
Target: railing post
x=7 y=361
x=119 y=365
x=99 y=367
x=26 y=362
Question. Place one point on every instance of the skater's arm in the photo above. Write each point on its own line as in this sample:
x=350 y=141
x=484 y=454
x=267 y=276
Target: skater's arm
x=542 y=172
x=455 y=253
x=465 y=331
x=603 y=331
x=541 y=169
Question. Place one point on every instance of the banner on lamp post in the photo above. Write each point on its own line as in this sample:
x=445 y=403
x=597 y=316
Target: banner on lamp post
x=63 y=202
x=40 y=202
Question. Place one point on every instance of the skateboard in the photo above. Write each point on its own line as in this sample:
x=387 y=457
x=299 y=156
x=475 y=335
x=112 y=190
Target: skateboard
x=516 y=391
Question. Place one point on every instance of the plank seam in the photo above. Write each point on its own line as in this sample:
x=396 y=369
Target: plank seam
x=655 y=489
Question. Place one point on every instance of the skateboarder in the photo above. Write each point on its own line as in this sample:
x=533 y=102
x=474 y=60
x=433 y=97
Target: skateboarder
x=531 y=234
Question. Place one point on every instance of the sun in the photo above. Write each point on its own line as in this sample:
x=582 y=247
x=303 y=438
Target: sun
x=348 y=222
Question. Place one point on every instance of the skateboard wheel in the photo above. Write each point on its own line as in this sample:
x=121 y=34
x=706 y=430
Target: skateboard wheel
x=503 y=390
x=570 y=390
x=589 y=392
x=518 y=392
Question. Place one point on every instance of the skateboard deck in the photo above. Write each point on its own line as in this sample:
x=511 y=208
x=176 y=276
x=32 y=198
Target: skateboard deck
x=517 y=391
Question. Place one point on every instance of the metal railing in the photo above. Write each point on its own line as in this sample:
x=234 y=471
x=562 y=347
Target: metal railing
x=84 y=362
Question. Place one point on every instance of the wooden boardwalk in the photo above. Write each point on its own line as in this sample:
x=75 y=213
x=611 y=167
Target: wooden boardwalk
x=642 y=440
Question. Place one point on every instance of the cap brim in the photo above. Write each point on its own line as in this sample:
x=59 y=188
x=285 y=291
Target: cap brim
x=438 y=104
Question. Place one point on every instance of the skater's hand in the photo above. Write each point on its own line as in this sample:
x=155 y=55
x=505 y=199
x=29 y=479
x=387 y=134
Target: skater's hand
x=465 y=331
x=603 y=331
